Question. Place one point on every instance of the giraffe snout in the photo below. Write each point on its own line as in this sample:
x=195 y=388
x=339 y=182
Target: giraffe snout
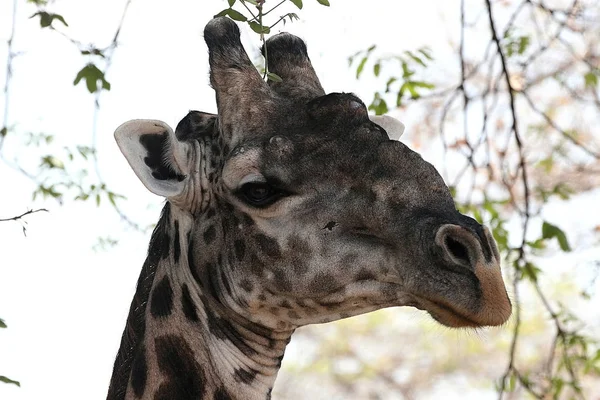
x=472 y=247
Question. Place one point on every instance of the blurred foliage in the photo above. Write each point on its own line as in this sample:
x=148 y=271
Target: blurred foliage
x=515 y=162
x=406 y=85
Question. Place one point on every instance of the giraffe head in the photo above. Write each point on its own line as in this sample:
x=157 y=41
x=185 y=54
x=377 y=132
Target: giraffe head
x=303 y=209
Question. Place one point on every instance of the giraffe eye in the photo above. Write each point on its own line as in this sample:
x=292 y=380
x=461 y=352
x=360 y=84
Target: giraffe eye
x=260 y=194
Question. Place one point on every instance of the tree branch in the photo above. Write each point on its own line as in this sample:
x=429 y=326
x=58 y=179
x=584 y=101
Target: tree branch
x=18 y=217
x=553 y=124
x=9 y=59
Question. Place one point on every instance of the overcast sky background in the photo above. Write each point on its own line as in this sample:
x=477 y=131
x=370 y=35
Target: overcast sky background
x=65 y=305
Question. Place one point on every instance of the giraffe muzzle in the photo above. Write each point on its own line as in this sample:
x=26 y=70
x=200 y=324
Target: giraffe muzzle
x=475 y=251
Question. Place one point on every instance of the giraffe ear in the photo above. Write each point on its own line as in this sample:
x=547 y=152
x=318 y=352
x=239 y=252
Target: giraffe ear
x=156 y=156
x=392 y=126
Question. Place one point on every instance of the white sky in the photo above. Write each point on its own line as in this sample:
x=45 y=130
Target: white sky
x=66 y=305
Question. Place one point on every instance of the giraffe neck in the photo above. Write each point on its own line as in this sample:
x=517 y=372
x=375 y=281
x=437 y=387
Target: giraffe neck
x=180 y=342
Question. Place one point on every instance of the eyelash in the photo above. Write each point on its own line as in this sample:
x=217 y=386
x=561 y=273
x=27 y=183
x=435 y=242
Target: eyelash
x=260 y=194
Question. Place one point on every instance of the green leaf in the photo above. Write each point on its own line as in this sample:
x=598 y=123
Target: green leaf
x=410 y=86
x=274 y=77
x=51 y=162
x=2 y=323
x=92 y=85
x=406 y=71
x=523 y=44
x=324 y=2
x=7 y=380
x=112 y=198
x=563 y=191
x=512 y=382
x=258 y=28
x=550 y=231
x=3 y=131
x=46 y=19
x=510 y=50
x=415 y=58
x=92 y=75
x=297 y=3
x=47 y=191
x=231 y=2
x=233 y=14
x=253 y=2
x=389 y=83
x=291 y=17
x=593 y=363
x=477 y=216
x=424 y=85
x=516 y=45
x=426 y=52
x=557 y=386
x=60 y=18
x=84 y=151
x=591 y=80
x=376 y=69
x=237 y=16
x=452 y=190
x=82 y=197
x=530 y=271
x=539 y=244
x=547 y=163
x=401 y=92
x=361 y=66
x=378 y=105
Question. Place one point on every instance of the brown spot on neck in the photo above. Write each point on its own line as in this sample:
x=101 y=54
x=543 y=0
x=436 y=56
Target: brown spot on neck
x=136 y=324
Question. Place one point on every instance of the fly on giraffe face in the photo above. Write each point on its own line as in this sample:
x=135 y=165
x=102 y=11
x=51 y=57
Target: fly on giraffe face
x=289 y=207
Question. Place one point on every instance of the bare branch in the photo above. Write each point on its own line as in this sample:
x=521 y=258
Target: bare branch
x=525 y=183
x=18 y=217
x=553 y=124
x=9 y=59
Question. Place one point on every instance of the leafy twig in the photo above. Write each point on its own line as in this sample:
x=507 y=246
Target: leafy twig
x=256 y=23
x=108 y=56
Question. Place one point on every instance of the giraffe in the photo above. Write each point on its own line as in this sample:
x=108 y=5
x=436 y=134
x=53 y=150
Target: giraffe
x=289 y=207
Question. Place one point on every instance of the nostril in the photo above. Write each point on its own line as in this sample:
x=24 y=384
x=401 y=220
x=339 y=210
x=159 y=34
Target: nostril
x=459 y=246
x=457 y=250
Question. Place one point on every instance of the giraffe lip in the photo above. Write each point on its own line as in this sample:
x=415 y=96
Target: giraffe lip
x=445 y=314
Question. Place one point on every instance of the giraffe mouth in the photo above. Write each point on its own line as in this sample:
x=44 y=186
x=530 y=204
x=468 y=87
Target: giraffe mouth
x=470 y=292
x=446 y=315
